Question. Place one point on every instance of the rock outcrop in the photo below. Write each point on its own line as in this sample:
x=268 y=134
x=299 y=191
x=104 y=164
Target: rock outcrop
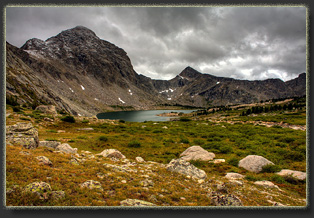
x=112 y=153
x=80 y=73
x=66 y=148
x=296 y=174
x=185 y=168
x=47 y=109
x=91 y=184
x=49 y=144
x=136 y=203
x=196 y=153
x=226 y=200
x=254 y=163
x=22 y=134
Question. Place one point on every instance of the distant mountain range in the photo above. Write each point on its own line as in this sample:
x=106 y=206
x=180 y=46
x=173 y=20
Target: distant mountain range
x=82 y=74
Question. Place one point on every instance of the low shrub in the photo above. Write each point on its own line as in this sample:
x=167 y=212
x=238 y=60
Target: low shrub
x=278 y=179
x=121 y=121
x=185 y=119
x=251 y=178
x=184 y=141
x=103 y=138
x=85 y=121
x=69 y=119
x=270 y=168
x=134 y=144
x=233 y=161
x=16 y=109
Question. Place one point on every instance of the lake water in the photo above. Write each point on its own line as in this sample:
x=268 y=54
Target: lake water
x=139 y=116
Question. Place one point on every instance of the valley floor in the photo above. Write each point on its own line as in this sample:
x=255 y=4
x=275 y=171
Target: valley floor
x=116 y=180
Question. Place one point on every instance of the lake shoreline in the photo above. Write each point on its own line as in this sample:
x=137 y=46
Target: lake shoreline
x=143 y=115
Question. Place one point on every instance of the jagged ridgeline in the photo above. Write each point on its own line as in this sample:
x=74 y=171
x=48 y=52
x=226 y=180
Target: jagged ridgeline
x=83 y=75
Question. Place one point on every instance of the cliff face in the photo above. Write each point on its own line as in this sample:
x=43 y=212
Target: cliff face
x=80 y=73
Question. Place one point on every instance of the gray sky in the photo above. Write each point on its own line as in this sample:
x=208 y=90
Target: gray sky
x=239 y=42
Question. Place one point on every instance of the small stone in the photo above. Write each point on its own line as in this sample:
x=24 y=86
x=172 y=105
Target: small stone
x=123 y=181
x=85 y=129
x=200 y=181
x=226 y=200
x=44 y=160
x=266 y=184
x=217 y=161
x=234 y=176
x=112 y=153
x=135 y=202
x=139 y=159
x=66 y=148
x=91 y=184
x=182 y=198
x=57 y=195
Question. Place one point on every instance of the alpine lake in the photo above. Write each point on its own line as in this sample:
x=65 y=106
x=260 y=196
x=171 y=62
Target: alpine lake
x=140 y=116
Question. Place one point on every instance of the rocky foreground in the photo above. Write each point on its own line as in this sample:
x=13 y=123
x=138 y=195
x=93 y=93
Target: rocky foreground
x=54 y=173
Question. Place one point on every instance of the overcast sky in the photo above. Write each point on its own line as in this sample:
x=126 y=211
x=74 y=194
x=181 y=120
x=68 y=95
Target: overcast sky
x=239 y=42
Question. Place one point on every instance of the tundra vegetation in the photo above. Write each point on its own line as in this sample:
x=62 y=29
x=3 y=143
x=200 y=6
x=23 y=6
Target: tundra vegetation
x=231 y=134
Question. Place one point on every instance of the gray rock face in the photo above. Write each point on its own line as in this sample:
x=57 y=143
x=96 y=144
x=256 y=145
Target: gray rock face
x=22 y=134
x=47 y=109
x=66 y=148
x=49 y=144
x=186 y=168
x=55 y=70
x=254 y=163
x=197 y=153
x=296 y=174
x=136 y=203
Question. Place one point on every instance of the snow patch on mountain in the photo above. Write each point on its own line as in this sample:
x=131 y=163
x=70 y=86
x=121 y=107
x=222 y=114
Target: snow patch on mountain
x=121 y=101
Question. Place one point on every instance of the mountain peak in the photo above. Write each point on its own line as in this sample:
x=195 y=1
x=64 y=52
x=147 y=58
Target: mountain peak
x=189 y=72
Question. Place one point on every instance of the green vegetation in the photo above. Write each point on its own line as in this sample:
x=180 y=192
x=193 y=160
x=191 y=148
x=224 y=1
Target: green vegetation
x=285 y=147
x=68 y=118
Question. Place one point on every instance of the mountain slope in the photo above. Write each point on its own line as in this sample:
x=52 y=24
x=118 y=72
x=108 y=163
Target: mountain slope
x=82 y=74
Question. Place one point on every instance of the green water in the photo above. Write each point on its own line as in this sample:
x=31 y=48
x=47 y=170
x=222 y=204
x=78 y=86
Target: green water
x=139 y=116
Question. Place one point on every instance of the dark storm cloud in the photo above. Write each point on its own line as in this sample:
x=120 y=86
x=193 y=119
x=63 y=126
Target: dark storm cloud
x=240 y=42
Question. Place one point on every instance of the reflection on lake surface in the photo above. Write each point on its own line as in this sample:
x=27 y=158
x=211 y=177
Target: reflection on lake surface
x=139 y=116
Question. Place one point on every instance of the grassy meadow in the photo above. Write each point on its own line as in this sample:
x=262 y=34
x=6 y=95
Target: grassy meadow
x=159 y=142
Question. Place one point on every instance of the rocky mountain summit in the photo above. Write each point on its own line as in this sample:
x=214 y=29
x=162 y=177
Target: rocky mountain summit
x=80 y=73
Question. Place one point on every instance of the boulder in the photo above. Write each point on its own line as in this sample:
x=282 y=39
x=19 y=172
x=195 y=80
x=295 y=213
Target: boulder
x=42 y=189
x=57 y=195
x=197 y=153
x=91 y=184
x=234 y=176
x=139 y=159
x=49 y=144
x=112 y=153
x=296 y=174
x=226 y=200
x=85 y=129
x=66 y=148
x=266 y=184
x=186 y=168
x=47 y=109
x=135 y=202
x=254 y=163
x=22 y=134
x=44 y=160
